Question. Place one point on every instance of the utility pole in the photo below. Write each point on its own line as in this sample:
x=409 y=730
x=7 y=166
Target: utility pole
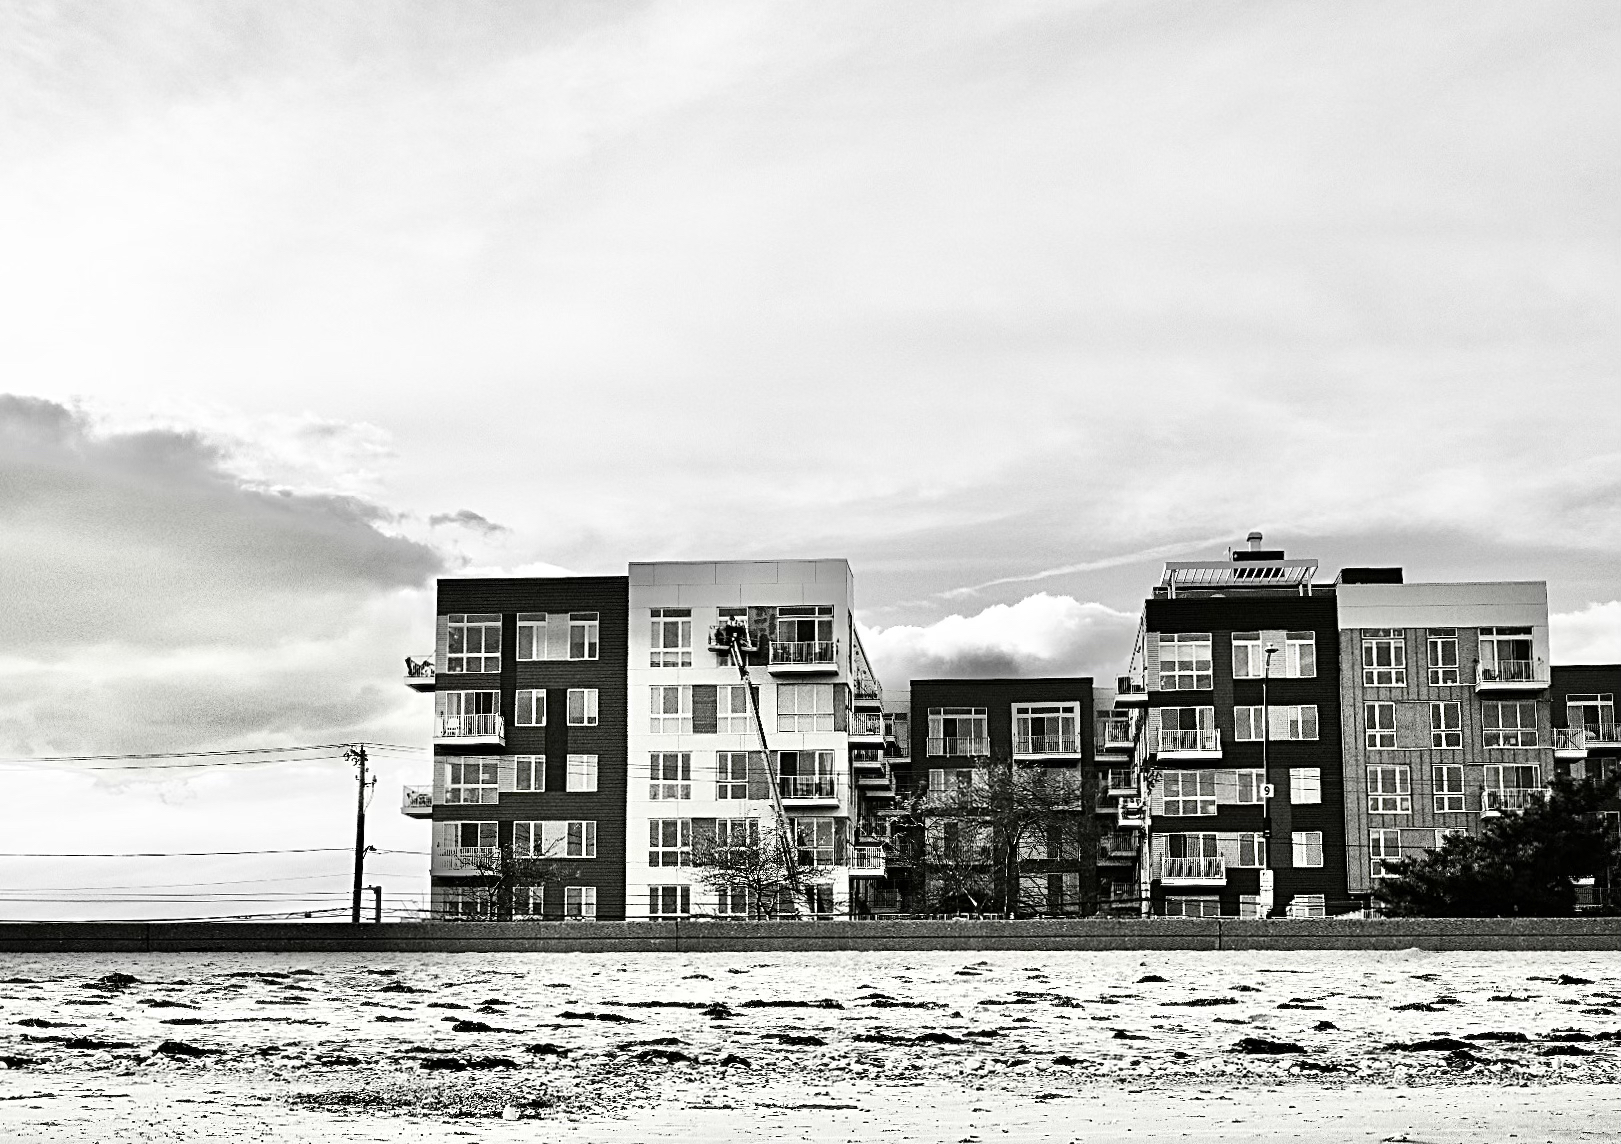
x=357 y=755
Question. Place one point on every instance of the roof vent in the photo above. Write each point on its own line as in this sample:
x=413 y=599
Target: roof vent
x=1254 y=540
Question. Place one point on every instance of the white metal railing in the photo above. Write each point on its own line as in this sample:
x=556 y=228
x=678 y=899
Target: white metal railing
x=1511 y=671
x=1113 y=733
x=804 y=651
x=807 y=786
x=467 y=858
x=868 y=724
x=1509 y=798
x=1201 y=740
x=416 y=798
x=1606 y=733
x=1193 y=870
x=472 y=727
x=866 y=858
x=1060 y=744
x=1570 y=738
x=959 y=746
x=1130 y=685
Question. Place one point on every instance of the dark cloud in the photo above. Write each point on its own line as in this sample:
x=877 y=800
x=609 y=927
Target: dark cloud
x=467 y=518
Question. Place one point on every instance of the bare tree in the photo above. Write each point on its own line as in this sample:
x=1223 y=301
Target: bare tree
x=764 y=865
x=502 y=874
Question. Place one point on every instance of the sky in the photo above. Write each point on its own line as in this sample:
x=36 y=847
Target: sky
x=306 y=304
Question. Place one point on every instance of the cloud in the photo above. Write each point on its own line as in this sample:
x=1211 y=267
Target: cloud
x=466 y=518
x=1592 y=635
x=1039 y=635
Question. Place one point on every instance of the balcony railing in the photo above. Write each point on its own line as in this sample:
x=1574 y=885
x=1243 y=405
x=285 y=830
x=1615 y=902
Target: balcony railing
x=866 y=725
x=465 y=859
x=1571 y=740
x=1200 y=742
x=808 y=786
x=490 y=727
x=1602 y=734
x=866 y=857
x=1193 y=871
x=1131 y=811
x=1509 y=798
x=959 y=746
x=417 y=801
x=1511 y=673
x=866 y=690
x=805 y=653
x=1114 y=734
x=1117 y=846
x=1060 y=744
x=1130 y=689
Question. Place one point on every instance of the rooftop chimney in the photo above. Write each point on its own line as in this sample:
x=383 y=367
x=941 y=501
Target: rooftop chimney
x=1254 y=539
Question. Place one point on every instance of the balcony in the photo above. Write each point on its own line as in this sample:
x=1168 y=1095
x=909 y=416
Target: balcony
x=869 y=759
x=808 y=789
x=867 y=862
x=1131 y=813
x=1117 y=848
x=959 y=747
x=419 y=673
x=472 y=730
x=1495 y=802
x=867 y=727
x=1193 y=872
x=1199 y=744
x=1602 y=734
x=1570 y=742
x=1038 y=746
x=1130 y=689
x=812 y=657
x=868 y=693
x=1511 y=675
x=465 y=860
x=417 y=802
x=1114 y=736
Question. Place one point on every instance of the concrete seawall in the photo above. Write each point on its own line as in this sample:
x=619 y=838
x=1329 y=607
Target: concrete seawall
x=706 y=937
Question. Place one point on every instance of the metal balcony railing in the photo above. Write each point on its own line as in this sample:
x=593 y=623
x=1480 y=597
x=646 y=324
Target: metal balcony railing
x=1602 y=734
x=1114 y=734
x=1060 y=744
x=805 y=651
x=1117 y=846
x=416 y=800
x=1193 y=870
x=959 y=746
x=866 y=858
x=867 y=724
x=1511 y=672
x=472 y=727
x=1129 y=686
x=868 y=690
x=1570 y=739
x=1203 y=741
x=808 y=786
x=1509 y=798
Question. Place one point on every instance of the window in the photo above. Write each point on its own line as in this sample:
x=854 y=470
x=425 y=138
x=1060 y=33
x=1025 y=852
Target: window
x=474 y=835
x=475 y=643
x=530 y=709
x=468 y=713
x=1292 y=723
x=1511 y=724
x=1307 y=906
x=584 y=632
x=805 y=707
x=898 y=732
x=554 y=839
x=812 y=624
x=530 y=773
x=813 y=841
x=1593 y=713
x=1443 y=656
x=1308 y=848
x=464 y=903
x=1187 y=729
x=1193 y=907
x=1295 y=657
x=579 y=902
x=732 y=902
x=731 y=774
x=669 y=842
x=955 y=731
x=1189 y=793
x=737 y=833
x=1248 y=661
x=1506 y=654
x=670 y=773
x=672 y=637
x=1447 y=778
x=1512 y=776
x=1192 y=846
x=531 y=635
x=471 y=780
x=1384 y=658
x=528 y=901
x=1251 y=787
x=1249 y=724
x=1046 y=728
x=669 y=901
x=1390 y=790
x=1185 y=662
x=1384 y=847
x=582 y=707
x=672 y=710
x=1305 y=785
x=582 y=774
x=1381 y=719
x=1300 y=655
x=960 y=780
x=732 y=709
x=1445 y=832
x=805 y=774
x=1446 y=726
x=1252 y=851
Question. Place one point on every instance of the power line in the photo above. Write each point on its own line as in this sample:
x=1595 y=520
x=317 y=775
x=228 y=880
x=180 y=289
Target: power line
x=237 y=751
x=179 y=853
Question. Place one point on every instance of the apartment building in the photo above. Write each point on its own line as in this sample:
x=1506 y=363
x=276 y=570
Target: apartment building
x=1237 y=668
x=528 y=679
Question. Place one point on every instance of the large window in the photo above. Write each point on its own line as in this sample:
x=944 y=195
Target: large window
x=737 y=833
x=531 y=635
x=528 y=901
x=473 y=836
x=1188 y=793
x=731 y=774
x=1384 y=658
x=1180 y=907
x=579 y=902
x=669 y=901
x=1185 y=661
x=1187 y=729
x=1593 y=713
x=670 y=775
x=1249 y=724
x=1295 y=722
x=813 y=841
x=1384 y=849
x=555 y=839
x=1446 y=726
x=1447 y=778
x=732 y=902
x=475 y=643
x=1443 y=656
x=1512 y=777
x=1046 y=728
x=805 y=774
x=468 y=713
x=584 y=634
x=808 y=624
x=530 y=773
x=1510 y=724
x=1252 y=851
x=1390 y=790
x=1294 y=658
x=732 y=709
x=1381 y=732
x=1305 y=785
x=1308 y=848
x=804 y=707
x=529 y=708
x=1506 y=655
x=582 y=707
x=582 y=774
x=672 y=710
x=1192 y=846
x=957 y=731
x=669 y=842
x=1251 y=787
x=471 y=780
x=672 y=637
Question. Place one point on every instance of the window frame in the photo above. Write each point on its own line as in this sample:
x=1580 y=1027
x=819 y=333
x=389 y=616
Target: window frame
x=1379 y=839
x=1392 y=673
x=584 y=635
x=1392 y=793
x=1436 y=644
x=669 y=842
x=663 y=721
x=1508 y=737
x=582 y=768
x=728 y=719
x=579 y=903
x=730 y=786
x=533 y=626
x=790 y=699
x=1377 y=735
x=1445 y=737
x=1200 y=798
x=1300 y=784
x=677 y=897
x=669 y=776
x=666 y=624
x=1301 y=843
x=1449 y=798
x=527 y=703
x=459 y=627
x=1184 y=669
x=535 y=767
x=588 y=707
x=485 y=764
